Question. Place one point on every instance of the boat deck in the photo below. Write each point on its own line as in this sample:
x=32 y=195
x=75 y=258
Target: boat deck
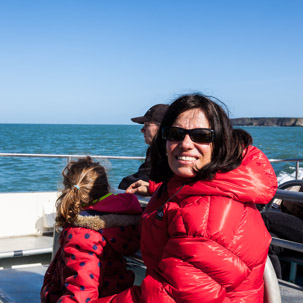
x=23 y=284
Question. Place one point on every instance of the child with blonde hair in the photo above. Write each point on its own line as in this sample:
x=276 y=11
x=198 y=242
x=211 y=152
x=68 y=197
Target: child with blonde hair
x=98 y=229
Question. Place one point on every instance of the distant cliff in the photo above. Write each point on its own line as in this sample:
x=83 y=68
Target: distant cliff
x=267 y=122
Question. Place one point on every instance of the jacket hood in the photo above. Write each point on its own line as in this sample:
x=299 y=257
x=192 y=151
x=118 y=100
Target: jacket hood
x=110 y=211
x=120 y=204
x=253 y=181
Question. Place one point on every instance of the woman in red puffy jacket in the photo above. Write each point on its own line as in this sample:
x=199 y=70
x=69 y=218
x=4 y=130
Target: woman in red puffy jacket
x=202 y=239
x=99 y=228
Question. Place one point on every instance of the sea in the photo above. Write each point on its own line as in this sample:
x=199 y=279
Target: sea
x=28 y=174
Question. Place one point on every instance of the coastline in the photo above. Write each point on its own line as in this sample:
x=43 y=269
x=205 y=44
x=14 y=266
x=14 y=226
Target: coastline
x=268 y=121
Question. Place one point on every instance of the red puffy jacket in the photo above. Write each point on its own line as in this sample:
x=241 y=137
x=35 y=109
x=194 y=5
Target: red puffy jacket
x=206 y=241
x=89 y=263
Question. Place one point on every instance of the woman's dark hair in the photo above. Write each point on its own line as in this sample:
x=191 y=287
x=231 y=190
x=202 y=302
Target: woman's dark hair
x=228 y=144
x=84 y=181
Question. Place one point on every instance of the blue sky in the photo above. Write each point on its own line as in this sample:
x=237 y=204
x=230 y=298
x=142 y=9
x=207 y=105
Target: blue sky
x=95 y=61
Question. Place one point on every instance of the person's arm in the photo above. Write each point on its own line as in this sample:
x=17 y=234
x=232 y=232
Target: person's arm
x=82 y=253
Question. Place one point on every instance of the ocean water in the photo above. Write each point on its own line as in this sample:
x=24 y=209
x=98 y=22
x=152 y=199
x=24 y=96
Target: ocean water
x=18 y=174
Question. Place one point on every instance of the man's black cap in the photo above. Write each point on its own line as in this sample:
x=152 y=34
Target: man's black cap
x=155 y=114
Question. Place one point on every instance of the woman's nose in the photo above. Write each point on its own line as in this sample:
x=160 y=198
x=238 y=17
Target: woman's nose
x=187 y=142
x=142 y=129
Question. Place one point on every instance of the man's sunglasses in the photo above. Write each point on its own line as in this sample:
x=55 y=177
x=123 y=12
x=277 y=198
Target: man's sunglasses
x=198 y=135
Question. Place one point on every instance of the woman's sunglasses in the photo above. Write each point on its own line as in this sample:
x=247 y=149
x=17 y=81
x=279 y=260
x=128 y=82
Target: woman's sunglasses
x=198 y=135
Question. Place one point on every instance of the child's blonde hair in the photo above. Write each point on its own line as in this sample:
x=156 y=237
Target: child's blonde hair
x=84 y=181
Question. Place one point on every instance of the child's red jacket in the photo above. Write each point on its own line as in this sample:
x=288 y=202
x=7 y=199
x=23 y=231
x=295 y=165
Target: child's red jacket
x=89 y=263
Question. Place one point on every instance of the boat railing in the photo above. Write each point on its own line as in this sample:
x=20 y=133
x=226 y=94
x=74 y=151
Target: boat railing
x=296 y=160
x=70 y=156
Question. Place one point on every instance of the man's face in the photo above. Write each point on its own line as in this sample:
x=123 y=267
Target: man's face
x=149 y=130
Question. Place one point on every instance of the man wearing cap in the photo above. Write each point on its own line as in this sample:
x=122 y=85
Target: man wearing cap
x=151 y=120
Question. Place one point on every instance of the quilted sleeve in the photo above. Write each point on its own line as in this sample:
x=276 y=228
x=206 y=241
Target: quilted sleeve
x=82 y=251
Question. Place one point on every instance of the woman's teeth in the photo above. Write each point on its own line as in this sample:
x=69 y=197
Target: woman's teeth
x=186 y=158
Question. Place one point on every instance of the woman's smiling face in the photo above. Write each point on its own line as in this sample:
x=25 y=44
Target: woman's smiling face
x=185 y=156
